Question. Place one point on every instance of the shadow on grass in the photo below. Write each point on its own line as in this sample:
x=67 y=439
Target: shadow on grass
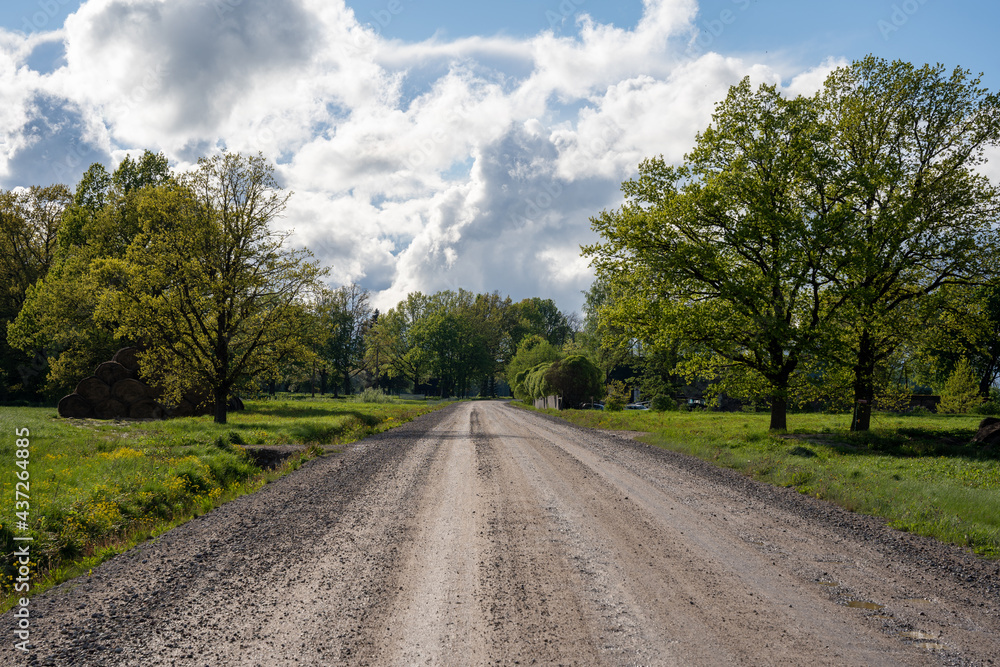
x=298 y=411
x=909 y=442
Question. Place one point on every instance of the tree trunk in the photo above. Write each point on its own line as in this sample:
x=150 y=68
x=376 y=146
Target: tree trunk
x=986 y=381
x=779 y=411
x=221 y=409
x=864 y=384
x=221 y=389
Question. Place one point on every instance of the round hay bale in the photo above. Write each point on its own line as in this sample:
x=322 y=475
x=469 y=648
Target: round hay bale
x=128 y=357
x=110 y=409
x=129 y=391
x=111 y=372
x=145 y=409
x=94 y=389
x=75 y=406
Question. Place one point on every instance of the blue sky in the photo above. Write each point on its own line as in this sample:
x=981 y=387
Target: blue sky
x=956 y=33
x=431 y=145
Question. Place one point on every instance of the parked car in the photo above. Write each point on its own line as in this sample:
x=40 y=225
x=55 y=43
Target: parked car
x=636 y=406
x=592 y=406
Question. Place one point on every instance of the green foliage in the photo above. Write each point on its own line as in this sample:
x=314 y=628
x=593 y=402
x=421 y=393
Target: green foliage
x=343 y=319
x=390 y=347
x=961 y=391
x=531 y=352
x=536 y=383
x=57 y=317
x=451 y=342
x=576 y=378
x=727 y=242
x=538 y=317
x=987 y=409
x=616 y=396
x=804 y=237
x=208 y=287
x=29 y=224
x=459 y=338
x=664 y=403
x=892 y=397
x=917 y=212
x=372 y=395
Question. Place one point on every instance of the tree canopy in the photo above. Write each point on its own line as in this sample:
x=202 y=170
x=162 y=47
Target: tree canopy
x=207 y=286
x=807 y=232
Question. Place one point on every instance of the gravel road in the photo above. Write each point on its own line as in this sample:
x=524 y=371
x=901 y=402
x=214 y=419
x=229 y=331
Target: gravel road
x=484 y=534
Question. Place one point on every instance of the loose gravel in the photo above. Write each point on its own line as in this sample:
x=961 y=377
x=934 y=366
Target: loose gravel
x=483 y=534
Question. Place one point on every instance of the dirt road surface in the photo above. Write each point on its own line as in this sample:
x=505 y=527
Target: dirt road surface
x=484 y=534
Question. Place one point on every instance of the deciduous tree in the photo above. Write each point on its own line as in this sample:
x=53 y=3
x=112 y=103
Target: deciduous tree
x=727 y=251
x=906 y=143
x=208 y=286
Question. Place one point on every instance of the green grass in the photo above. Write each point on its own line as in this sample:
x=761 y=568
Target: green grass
x=98 y=488
x=922 y=474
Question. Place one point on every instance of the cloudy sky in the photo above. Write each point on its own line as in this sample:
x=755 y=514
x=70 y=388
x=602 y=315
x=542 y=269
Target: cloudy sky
x=431 y=145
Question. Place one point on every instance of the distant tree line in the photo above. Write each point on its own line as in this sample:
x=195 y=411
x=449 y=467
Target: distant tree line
x=835 y=251
x=188 y=268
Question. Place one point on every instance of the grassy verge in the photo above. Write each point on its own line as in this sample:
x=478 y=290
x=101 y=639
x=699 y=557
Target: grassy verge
x=99 y=488
x=922 y=474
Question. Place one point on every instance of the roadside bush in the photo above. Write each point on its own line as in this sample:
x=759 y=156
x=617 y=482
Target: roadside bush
x=961 y=390
x=663 y=403
x=372 y=395
x=576 y=378
x=987 y=409
x=616 y=396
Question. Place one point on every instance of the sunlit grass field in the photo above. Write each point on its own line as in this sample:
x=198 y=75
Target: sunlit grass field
x=97 y=488
x=922 y=474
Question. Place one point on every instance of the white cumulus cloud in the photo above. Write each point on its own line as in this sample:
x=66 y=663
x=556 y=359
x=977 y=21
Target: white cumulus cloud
x=474 y=162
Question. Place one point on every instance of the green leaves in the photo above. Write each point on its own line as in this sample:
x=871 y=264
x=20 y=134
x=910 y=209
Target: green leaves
x=807 y=229
x=206 y=286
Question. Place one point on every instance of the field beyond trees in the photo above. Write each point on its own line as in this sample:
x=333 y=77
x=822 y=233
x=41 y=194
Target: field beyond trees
x=921 y=474
x=98 y=488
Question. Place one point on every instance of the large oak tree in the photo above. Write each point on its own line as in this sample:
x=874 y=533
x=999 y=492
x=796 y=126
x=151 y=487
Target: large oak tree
x=208 y=287
x=727 y=251
x=809 y=228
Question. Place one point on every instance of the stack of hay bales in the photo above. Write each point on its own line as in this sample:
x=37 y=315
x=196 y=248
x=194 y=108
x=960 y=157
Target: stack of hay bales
x=115 y=391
